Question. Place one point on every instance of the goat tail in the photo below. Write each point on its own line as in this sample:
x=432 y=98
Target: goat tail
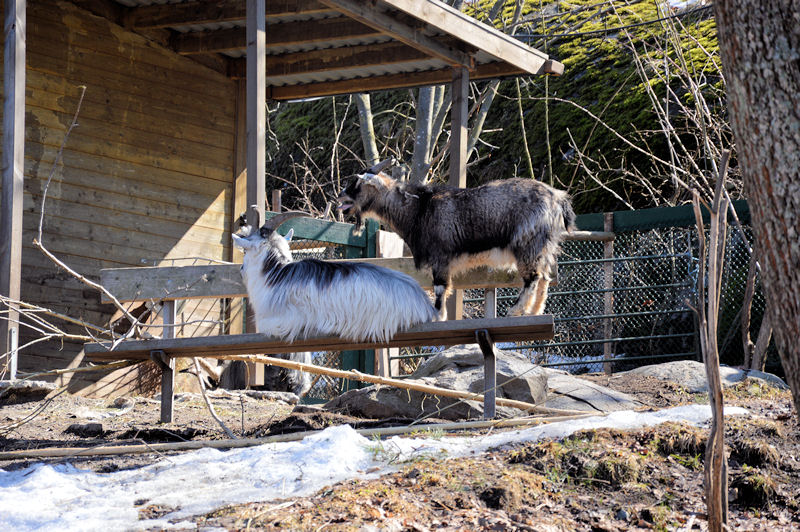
x=568 y=213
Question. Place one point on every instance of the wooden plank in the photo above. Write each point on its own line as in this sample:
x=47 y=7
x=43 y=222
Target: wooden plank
x=149 y=230
x=108 y=140
x=147 y=245
x=414 y=37
x=442 y=333
x=62 y=22
x=73 y=184
x=388 y=81
x=340 y=60
x=157 y=215
x=110 y=63
x=288 y=34
x=224 y=280
x=128 y=174
x=160 y=95
x=213 y=11
x=449 y=20
x=160 y=129
x=256 y=110
x=130 y=99
x=13 y=167
x=69 y=246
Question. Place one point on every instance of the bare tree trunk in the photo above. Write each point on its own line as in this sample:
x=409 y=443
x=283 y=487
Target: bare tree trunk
x=759 y=43
x=422 y=134
x=715 y=473
x=371 y=156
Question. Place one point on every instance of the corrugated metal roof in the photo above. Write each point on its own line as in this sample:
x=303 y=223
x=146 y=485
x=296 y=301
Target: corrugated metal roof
x=475 y=41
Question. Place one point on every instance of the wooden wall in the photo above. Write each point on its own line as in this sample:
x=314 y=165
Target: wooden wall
x=146 y=176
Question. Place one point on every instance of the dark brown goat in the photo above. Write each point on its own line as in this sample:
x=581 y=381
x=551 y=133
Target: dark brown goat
x=501 y=224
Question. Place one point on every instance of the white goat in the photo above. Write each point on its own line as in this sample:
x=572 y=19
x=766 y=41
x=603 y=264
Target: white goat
x=356 y=301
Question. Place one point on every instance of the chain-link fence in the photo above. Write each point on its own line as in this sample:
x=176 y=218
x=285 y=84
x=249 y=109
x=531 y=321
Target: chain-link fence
x=630 y=304
x=615 y=306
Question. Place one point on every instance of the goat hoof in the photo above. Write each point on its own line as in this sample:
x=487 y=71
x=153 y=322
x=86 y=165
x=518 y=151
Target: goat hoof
x=515 y=311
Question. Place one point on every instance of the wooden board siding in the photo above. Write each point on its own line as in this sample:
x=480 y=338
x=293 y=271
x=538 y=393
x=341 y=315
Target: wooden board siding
x=145 y=176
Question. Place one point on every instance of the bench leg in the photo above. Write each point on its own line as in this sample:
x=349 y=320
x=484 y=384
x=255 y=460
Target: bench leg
x=167 y=366
x=489 y=373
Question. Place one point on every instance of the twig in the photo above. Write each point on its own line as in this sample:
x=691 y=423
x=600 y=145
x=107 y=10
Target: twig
x=211 y=410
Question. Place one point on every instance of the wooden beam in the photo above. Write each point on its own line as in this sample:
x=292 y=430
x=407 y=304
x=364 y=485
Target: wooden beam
x=13 y=173
x=107 y=9
x=434 y=333
x=451 y=21
x=377 y=83
x=338 y=61
x=256 y=110
x=225 y=280
x=279 y=35
x=213 y=11
x=413 y=36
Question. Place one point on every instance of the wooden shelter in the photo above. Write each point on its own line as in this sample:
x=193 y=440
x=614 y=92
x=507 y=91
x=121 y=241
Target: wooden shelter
x=170 y=143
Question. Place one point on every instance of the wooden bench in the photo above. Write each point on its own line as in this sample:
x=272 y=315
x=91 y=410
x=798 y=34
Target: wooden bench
x=171 y=284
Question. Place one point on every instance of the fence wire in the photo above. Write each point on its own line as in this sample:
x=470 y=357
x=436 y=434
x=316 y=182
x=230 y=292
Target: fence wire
x=631 y=309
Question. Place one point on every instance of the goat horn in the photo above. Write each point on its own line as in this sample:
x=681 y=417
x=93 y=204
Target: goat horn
x=276 y=221
x=381 y=166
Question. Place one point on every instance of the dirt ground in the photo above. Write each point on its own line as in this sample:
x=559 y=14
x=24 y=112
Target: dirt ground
x=648 y=479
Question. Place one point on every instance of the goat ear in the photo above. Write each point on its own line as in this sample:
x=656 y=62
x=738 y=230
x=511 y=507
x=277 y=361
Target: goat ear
x=242 y=243
x=289 y=235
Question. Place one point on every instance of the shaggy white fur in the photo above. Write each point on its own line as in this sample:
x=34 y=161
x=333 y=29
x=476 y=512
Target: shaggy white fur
x=314 y=298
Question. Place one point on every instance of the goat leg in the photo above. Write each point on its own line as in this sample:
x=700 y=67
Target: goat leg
x=441 y=289
x=528 y=296
x=541 y=295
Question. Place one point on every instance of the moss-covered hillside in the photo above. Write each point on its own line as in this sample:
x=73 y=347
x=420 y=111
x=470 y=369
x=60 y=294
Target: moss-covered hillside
x=603 y=77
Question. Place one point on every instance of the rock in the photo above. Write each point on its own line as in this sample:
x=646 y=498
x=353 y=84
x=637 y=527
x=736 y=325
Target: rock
x=285 y=397
x=692 y=375
x=568 y=392
x=86 y=430
x=457 y=368
x=18 y=391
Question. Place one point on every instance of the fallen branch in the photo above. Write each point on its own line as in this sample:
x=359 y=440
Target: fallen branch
x=396 y=383
x=69 y=452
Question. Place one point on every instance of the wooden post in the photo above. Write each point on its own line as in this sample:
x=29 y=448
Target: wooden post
x=13 y=175
x=388 y=245
x=256 y=109
x=490 y=302
x=458 y=161
x=166 y=363
x=256 y=129
x=276 y=201
x=489 y=373
x=239 y=316
x=608 y=296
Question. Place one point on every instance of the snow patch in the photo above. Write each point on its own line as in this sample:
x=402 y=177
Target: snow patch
x=63 y=497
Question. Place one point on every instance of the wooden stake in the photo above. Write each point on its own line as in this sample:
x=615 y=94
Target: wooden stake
x=396 y=383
